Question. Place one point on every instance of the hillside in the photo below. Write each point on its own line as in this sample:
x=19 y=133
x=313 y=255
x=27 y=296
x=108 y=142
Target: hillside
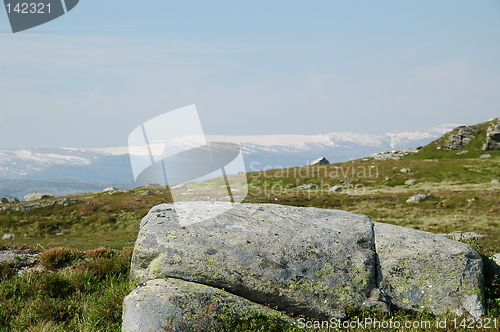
x=464 y=142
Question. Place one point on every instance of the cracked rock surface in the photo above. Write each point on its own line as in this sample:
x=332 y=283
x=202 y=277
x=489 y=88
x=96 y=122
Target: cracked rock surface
x=309 y=261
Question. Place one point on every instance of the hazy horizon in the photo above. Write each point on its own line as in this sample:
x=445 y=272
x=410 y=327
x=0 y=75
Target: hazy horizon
x=88 y=78
x=265 y=139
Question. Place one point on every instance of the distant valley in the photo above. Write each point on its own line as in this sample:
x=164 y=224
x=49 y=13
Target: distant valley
x=64 y=171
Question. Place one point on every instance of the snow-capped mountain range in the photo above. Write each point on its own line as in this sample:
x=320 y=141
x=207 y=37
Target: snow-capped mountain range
x=260 y=152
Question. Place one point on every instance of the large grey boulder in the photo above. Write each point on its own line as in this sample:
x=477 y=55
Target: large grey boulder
x=308 y=261
x=35 y=196
x=421 y=270
x=178 y=305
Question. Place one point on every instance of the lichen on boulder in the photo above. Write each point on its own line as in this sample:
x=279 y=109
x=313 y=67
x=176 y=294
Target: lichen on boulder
x=307 y=261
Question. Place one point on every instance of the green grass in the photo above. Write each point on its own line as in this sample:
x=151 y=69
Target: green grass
x=95 y=220
x=77 y=291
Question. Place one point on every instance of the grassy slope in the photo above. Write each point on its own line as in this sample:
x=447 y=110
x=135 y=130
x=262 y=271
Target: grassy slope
x=474 y=148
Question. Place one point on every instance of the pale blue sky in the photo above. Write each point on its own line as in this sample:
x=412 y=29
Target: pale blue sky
x=88 y=78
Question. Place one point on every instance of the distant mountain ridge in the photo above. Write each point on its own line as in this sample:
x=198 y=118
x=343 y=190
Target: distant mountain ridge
x=112 y=165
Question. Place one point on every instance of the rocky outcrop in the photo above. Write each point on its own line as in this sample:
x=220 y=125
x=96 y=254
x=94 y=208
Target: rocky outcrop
x=464 y=135
x=30 y=206
x=9 y=199
x=492 y=137
x=308 y=261
x=393 y=155
x=37 y=196
x=320 y=161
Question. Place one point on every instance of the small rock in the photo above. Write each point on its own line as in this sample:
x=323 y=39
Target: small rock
x=147 y=193
x=67 y=201
x=118 y=191
x=495 y=264
x=405 y=170
x=36 y=196
x=462 y=235
x=29 y=268
x=109 y=189
x=179 y=186
x=320 y=161
x=387 y=179
x=335 y=188
x=417 y=198
x=461 y=152
x=305 y=187
x=9 y=199
x=8 y=236
x=393 y=155
x=20 y=258
x=487 y=155
x=495 y=181
x=410 y=182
